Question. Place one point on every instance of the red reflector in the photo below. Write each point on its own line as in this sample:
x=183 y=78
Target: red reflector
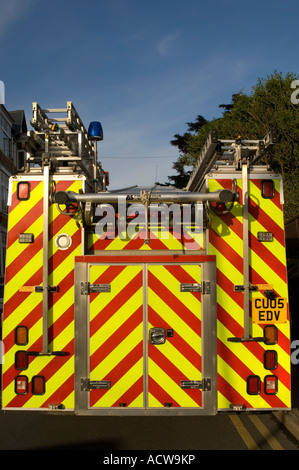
x=253 y=385
x=21 y=360
x=268 y=189
x=23 y=191
x=271 y=384
x=38 y=385
x=270 y=360
x=21 y=385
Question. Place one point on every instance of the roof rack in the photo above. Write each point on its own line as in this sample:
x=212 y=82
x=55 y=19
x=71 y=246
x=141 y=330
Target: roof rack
x=59 y=136
x=233 y=152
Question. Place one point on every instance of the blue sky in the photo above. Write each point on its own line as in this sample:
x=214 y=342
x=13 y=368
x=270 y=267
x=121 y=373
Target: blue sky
x=142 y=68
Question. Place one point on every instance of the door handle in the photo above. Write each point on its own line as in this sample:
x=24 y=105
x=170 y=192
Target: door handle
x=157 y=336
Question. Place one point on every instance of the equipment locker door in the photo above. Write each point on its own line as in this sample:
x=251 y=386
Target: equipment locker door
x=174 y=324
x=116 y=336
x=144 y=325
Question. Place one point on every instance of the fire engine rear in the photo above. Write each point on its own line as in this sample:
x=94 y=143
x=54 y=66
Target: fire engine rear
x=145 y=300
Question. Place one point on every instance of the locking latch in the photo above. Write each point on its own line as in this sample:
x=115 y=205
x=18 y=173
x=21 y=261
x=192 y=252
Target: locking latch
x=87 y=288
x=204 y=287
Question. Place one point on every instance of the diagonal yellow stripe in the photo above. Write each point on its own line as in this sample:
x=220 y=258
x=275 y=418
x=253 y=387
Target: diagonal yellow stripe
x=172 y=388
x=171 y=318
x=267 y=204
x=122 y=350
x=121 y=386
x=16 y=213
x=115 y=322
x=179 y=360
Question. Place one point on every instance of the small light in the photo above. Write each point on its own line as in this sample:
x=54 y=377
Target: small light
x=23 y=191
x=268 y=190
x=21 y=335
x=271 y=384
x=265 y=236
x=270 y=360
x=21 y=360
x=26 y=237
x=63 y=241
x=253 y=385
x=270 y=334
x=21 y=385
x=38 y=385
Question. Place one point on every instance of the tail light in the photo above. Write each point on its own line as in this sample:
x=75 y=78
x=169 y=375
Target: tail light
x=21 y=360
x=268 y=189
x=21 y=385
x=270 y=360
x=23 y=191
x=253 y=385
x=271 y=384
x=38 y=385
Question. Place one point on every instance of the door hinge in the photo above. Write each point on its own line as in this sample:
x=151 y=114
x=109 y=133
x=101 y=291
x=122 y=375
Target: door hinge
x=204 y=385
x=204 y=287
x=87 y=384
x=87 y=288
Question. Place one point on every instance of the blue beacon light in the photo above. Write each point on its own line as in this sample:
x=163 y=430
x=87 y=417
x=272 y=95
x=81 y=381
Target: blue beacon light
x=95 y=131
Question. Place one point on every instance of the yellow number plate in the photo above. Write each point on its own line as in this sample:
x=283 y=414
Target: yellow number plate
x=269 y=310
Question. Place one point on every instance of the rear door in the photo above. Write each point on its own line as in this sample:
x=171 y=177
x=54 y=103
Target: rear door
x=144 y=348
x=174 y=332
x=116 y=336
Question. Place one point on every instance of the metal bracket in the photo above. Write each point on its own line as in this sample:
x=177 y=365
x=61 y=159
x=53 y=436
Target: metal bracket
x=204 y=385
x=204 y=287
x=87 y=288
x=48 y=289
x=87 y=384
x=240 y=288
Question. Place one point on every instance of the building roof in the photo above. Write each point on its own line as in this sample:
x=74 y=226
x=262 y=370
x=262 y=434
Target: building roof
x=19 y=121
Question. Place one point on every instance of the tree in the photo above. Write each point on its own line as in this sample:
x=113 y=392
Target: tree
x=268 y=106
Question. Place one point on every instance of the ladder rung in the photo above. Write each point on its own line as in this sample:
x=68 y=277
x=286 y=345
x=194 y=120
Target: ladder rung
x=57 y=110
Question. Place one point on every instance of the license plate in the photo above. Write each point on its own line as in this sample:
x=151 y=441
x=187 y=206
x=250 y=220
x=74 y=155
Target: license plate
x=269 y=310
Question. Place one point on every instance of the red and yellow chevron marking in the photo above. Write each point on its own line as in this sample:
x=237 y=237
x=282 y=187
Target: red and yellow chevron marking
x=236 y=361
x=120 y=321
x=159 y=240
x=116 y=336
x=24 y=265
x=179 y=358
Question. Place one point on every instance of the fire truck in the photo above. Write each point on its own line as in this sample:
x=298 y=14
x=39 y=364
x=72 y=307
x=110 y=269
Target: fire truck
x=143 y=300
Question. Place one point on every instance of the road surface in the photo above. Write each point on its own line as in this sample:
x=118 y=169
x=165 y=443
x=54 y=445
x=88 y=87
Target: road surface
x=22 y=430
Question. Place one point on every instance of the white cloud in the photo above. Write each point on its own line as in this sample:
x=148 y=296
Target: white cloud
x=11 y=11
x=166 y=44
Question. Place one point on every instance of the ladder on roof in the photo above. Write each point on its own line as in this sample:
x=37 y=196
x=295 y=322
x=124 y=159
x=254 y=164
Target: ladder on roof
x=234 y=152
x=242 y=154
x=60 y=137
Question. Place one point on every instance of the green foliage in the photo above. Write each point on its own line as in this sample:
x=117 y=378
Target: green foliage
x=252 y=116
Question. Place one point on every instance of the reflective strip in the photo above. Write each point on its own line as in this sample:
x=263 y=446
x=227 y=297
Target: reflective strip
x=180 y=357
x=166 y=241
x=267 y=265
x=26 y=308
x=116 y=336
